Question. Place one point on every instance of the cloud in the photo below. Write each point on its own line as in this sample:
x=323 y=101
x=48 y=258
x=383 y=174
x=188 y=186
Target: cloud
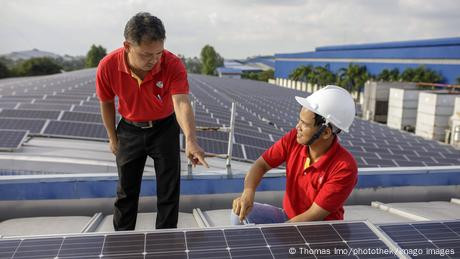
x=236 y=28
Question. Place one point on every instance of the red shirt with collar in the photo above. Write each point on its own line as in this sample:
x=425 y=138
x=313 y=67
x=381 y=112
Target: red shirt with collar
x=328 y=182
x=152 y=99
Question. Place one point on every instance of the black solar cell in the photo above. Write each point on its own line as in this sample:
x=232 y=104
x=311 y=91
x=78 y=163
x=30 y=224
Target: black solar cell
x=214 y=254
x=8 y=247
x=124 y=244
x=244 y=237
x=283 y=236
x=79 y=247
x=171 y=255
x=354 y=231
x=38 y=248
x=319 y=233
x=165 y=242
x=251 y=253
x=205 y=240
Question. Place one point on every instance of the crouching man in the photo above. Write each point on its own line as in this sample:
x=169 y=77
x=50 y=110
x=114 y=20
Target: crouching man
x=320 y=173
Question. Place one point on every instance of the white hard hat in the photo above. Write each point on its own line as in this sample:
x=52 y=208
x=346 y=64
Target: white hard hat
x=332 y=102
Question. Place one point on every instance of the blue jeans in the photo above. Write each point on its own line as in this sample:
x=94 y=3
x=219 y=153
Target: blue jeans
x=261 y=214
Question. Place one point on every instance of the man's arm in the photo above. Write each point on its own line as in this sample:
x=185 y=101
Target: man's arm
x=314 y=213
x=108 y=118
x=243 y=204
x=186 y=120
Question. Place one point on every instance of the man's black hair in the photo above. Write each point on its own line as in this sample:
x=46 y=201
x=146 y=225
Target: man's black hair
x=320 y=120
x=144 y=27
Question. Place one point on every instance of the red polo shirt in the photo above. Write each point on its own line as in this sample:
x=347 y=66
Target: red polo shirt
x=152 y=99
x=328 y=182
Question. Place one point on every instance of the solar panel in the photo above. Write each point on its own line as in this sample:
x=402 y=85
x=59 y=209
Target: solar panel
x=11 y=140
x=253 y=152
x=33 y=114
x=253 y=141
x=81 y=117
x=219 y=147
x=8 y=105
x=44 y=106
x=428 y=239
x=76 y=130
x=32 y=125
x=263 y=241
x=87 y=108
x=372 y=144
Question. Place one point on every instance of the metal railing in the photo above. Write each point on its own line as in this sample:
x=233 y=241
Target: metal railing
x=227 y=156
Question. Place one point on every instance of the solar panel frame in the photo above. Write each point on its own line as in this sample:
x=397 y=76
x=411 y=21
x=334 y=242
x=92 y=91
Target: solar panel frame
x=274 y=241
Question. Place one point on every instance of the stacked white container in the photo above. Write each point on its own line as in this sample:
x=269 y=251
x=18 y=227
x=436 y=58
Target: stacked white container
x=402 y=108
x=376 y=95
x=433 y=113
x=455 y=124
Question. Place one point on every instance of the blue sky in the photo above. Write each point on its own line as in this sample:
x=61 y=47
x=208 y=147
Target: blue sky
x=236 y=28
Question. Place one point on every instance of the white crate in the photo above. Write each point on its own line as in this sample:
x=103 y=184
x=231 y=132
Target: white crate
x=433 y=120
x=403 y=98
x=436 y=103
x=457 y=106
x=430 y=132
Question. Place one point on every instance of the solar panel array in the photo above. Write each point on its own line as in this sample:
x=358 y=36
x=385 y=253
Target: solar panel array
x=426 y=240
x=328 y=240
x=266 y=112
x=65 y=105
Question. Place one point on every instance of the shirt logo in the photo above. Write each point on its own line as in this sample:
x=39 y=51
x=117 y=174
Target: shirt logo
x=320 y=180
x=159 y=84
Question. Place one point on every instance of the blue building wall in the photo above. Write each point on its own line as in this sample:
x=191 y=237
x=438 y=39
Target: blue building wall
x=406 y=54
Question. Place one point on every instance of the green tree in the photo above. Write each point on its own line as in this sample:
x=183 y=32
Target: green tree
x=301 y=73
x=94 y=55
x=4 y=71
x=259 y=76
x=37 y=66
x=267 y=74
x=193 y=65
x=210 y=60
x=250 y=75
x=421 y=74
x=322 y=76
x=71 y=63
x=388 y=75
x=353 y=77
x=458 y=80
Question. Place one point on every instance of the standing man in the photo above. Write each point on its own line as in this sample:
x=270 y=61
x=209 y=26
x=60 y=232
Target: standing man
x=320 y=173
x=152 y=89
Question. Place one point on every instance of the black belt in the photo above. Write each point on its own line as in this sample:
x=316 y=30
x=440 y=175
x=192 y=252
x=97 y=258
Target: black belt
x=145 y=124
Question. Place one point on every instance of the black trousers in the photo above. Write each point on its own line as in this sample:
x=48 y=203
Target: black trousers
x=161 y=142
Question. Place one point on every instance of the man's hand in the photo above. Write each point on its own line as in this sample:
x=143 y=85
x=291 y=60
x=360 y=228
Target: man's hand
x=195 y=153
x=243 y=204
x=113 y=144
